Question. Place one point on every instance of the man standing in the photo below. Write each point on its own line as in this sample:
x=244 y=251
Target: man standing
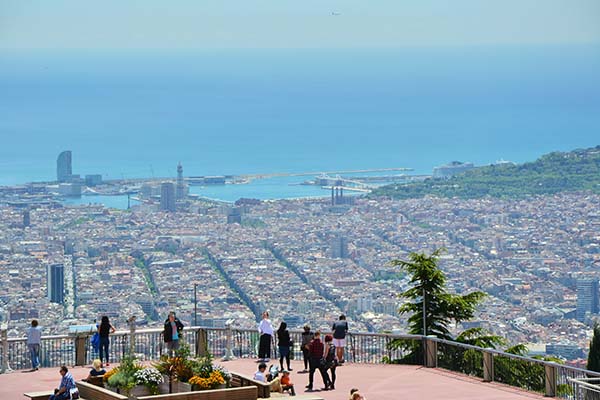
x=34 y=338
x=340 y=328
x=172 y=332
x=316 y=351
x=67 y=386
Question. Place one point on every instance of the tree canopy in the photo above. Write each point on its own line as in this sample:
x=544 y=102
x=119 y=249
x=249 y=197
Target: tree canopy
x=441 y=308
x=552 y=173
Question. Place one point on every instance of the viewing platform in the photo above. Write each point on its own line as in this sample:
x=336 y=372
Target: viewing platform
x=420 y=368
x=376 y=382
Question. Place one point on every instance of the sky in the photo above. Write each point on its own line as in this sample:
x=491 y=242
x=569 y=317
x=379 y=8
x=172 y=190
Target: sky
x=195 y=24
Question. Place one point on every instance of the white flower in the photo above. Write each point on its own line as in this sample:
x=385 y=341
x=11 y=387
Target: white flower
x=148 y=376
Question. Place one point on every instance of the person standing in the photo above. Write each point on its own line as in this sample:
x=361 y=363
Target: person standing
x=331 y=361
x=104 y=331
x=67 y=385
x=172 y=333
x=265 y=329
x=307 y=336
x=34 y=339
x=340 y=328
x=316 y=361
x=283 y=342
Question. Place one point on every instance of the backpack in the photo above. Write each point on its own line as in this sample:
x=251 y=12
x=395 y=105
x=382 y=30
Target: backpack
x=95 y=341
x=330 y=357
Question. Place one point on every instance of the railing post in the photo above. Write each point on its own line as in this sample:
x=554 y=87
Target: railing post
x=550 y=378
x=4 y=339
x=132 y=326
x=229 y=341
x=488 y=366
x=431 y=352
x=201 y=343
x=80 y=350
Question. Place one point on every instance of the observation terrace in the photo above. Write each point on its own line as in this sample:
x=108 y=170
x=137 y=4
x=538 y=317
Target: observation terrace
x=444 y=370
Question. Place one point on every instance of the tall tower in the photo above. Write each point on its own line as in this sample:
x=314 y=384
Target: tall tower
x=167 y=196
x=64 y=168
x=180 y=190
x=56 y=282
x=339 y=246
x=587 y=298
x=26 y=218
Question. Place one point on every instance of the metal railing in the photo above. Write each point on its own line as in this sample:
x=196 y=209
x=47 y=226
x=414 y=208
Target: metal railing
x=531 y=374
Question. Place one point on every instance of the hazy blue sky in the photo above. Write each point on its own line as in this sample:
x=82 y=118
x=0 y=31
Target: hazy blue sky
x=182 y=24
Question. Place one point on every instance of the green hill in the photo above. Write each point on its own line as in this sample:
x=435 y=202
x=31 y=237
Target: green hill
x=552 y=173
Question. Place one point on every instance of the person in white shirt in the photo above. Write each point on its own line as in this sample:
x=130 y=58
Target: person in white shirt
x=260 y=374
x=265 y=329
x=34 y=339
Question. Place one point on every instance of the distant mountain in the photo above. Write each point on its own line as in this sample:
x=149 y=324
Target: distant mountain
x=552 y=173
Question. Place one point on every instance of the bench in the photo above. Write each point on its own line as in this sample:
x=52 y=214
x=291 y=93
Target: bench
x=238 y=393
x=264 y=388
x=39 y=395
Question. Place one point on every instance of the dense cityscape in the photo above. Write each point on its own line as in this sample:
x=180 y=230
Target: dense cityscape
x=307 y=261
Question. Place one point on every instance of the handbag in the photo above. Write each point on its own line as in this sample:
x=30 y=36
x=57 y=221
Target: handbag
x=74 y=393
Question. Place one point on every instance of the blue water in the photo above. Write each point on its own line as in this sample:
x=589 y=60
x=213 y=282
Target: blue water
x=138 y=114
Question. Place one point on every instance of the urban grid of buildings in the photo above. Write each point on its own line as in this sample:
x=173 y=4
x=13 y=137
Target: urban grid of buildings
x=307 y=261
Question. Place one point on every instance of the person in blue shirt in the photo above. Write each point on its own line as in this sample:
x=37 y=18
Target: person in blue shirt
x=34 y=339
x=67 y=385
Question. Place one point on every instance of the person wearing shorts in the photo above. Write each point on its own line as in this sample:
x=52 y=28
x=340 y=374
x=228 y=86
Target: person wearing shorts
x=340 y=328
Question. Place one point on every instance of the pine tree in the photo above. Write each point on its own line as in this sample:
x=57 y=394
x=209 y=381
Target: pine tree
x=441 y=308
x=593 y=362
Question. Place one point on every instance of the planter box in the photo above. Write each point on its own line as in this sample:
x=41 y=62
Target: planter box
x=181 y=387
x=139 y=391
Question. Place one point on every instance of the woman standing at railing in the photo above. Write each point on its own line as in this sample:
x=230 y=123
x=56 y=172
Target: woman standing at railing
x=283 y=342
x=104 y=330
x=265 y=329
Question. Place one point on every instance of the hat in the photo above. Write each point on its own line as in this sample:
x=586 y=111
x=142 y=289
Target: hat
x=285 y=371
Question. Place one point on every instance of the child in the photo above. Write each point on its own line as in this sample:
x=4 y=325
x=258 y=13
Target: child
x=286 y=382
x=260 y=374
x=355 y=395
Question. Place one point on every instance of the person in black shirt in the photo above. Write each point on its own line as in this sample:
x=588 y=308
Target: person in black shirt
x=104 y=330
x=340 y=328
x=283 y=341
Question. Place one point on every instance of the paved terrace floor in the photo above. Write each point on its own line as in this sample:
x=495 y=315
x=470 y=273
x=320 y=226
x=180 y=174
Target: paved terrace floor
x=376 y=382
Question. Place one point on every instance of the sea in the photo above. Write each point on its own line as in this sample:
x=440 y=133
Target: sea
x=138 y=113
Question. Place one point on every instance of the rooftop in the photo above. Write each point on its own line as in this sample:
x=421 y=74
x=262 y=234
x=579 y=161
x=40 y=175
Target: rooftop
x=375 y=381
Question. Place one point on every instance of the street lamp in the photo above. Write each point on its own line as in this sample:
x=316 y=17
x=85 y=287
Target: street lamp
x=195 y=305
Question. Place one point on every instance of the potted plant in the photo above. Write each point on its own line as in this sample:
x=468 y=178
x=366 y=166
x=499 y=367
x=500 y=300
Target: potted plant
x=209 y=376
x=178 y=369
x=123 y=377
x=149 y=377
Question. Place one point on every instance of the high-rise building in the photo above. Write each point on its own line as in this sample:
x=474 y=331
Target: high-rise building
x=26 y=218
x=64 y=168
x=339 y=247
x=167 y=196
x=587 y=298
x=180 y=190
x=56 y=283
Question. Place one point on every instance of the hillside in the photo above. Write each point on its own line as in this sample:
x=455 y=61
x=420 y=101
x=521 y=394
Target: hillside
x=552 y=173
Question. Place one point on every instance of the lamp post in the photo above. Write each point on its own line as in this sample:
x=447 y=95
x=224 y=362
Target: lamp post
x=195 y=305
x=424 y=314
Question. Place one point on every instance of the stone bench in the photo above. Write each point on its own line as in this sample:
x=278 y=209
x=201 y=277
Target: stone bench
x=264 y=388
x=39 y=395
